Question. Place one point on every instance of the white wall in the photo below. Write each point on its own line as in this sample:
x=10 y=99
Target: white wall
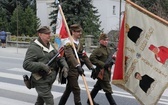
x=110 y=21
x=43 y=11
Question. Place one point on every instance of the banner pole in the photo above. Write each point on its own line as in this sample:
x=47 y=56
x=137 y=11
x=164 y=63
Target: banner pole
x=71 y=40
x=147 y=12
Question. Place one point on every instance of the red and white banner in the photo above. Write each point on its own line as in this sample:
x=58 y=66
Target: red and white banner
x=61 y=30
x=142 y=59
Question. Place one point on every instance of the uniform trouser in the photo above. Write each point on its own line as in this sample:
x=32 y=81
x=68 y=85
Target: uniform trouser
x=44 y=95
x=72 y=86
x=93 y=94
x=43 y=88
x=110 y=99
x=105 y=85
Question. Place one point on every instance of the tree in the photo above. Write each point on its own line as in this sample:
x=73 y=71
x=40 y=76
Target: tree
x=158 y=7
x=10 y=5
x=15 y=24
x=3 y=19
x=29 y=22
x=25 y=20
x=79 y=11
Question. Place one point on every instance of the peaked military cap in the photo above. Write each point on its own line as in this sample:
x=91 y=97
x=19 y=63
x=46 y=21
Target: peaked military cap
x=44 y=29
x=103 y=36
x=75 y=27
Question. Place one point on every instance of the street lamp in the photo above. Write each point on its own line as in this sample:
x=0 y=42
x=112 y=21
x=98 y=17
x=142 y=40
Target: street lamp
x=120 y=15
x=17 y=25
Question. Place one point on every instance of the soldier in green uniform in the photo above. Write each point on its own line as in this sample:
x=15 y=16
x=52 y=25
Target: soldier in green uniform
x=98 y=58
x=42 y=76
x=75 y=69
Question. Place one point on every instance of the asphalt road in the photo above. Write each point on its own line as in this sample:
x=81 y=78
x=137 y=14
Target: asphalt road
x=13 y=91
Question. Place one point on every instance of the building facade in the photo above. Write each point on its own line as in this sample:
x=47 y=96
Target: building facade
x=43 y=10
x=109 y=11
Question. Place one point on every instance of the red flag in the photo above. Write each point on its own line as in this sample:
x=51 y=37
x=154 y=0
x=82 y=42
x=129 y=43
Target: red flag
x=60 y=27
x=118 y=70
x=61 y=31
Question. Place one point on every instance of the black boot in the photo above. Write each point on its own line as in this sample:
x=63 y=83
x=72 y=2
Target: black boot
x=110 y=99
x=62 y=101
x=79 y=103
x=94 y=103
x=93 y=95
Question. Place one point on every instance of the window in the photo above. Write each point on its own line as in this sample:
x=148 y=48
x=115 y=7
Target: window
x=114 y=10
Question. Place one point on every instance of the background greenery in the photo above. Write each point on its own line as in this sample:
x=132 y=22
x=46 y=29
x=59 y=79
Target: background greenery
x=158 y=7
x=21 y=14
x=83 y=12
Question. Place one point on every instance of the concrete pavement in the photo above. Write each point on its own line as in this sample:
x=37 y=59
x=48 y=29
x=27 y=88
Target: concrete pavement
x=13 y=50
x=20 y=53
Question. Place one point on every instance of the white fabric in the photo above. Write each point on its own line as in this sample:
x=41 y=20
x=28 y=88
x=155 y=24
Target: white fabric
x=141 y=59
x=44 y=48
x=59 y=23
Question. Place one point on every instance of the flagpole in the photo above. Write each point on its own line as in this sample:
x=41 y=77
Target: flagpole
x=120 y=16
x=71 y=40
x=147 y=12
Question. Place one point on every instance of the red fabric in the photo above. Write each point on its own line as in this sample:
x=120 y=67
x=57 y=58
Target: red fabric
x=60 y=28
x=162 y=55
x=61 y=51
x=119 y=68
x=151 y=47
x=63 y=32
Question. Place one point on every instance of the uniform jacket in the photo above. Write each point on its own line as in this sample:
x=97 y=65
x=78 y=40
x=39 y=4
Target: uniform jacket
x=98 y=58
x=36 y=54
x=71 y=58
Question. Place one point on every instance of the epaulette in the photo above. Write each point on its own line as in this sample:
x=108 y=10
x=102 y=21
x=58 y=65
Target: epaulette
x=68 y=44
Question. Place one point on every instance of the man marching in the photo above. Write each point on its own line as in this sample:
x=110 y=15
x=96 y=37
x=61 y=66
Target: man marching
x=98 y=58
x=75 y=69
x=40 y=52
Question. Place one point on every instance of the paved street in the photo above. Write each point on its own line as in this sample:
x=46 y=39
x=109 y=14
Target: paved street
x=13 y=91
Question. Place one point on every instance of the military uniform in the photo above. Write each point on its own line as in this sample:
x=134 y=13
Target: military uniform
x=37 y=56
x=98 y=58
x=73 y=74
